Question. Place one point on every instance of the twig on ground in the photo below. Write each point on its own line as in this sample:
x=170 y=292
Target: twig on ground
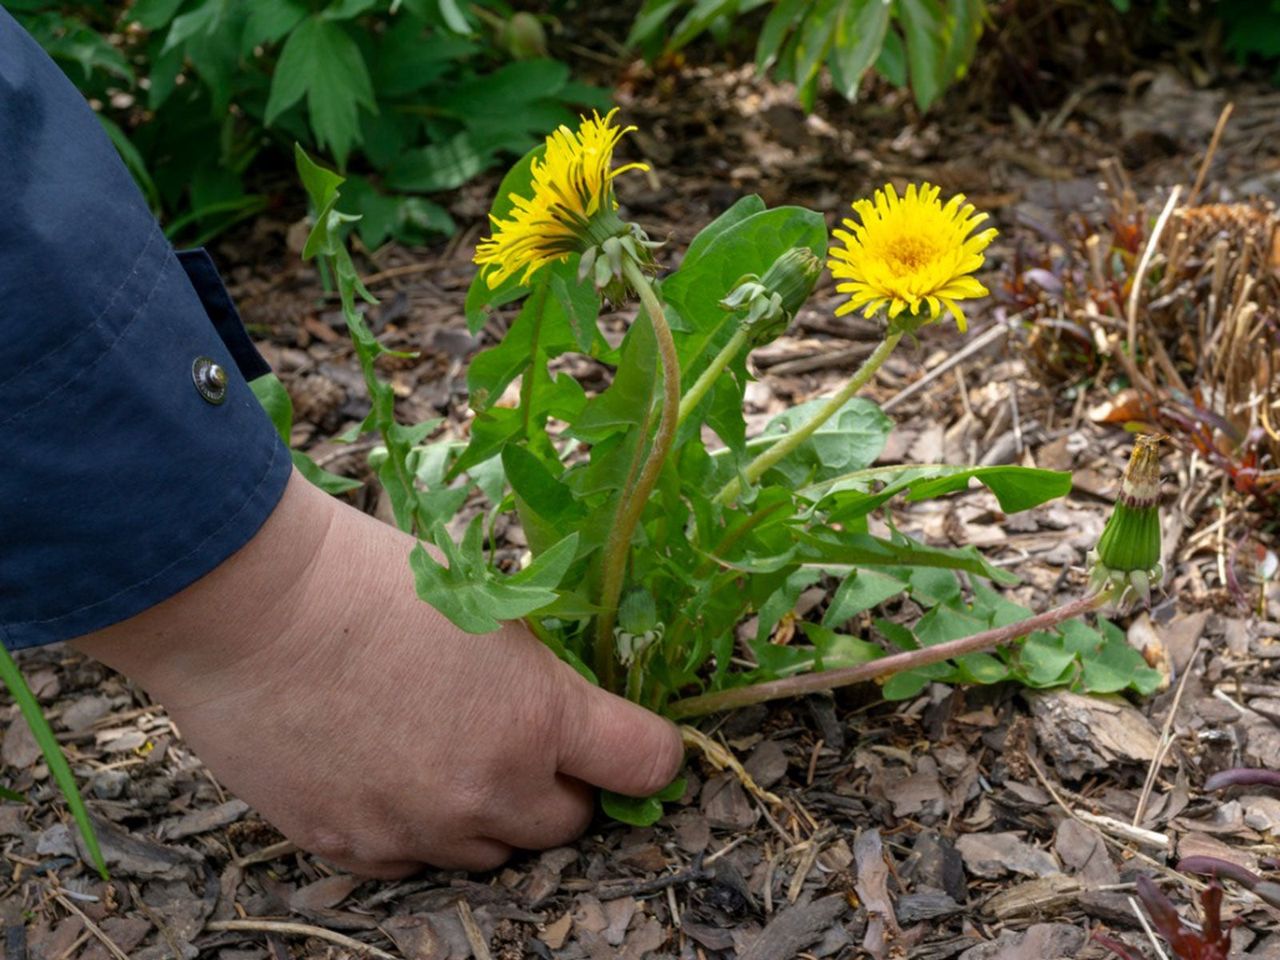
x=981 y=342
x=297 y=930
x=1166 y=740
x=640 y=888
x=1146 y=928
x=92 y=927
x=1127 y=831
x=476 y=939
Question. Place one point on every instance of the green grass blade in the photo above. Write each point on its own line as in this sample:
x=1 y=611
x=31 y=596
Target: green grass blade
x=43 y=733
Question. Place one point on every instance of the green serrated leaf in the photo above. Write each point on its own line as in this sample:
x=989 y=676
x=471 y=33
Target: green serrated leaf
x=322 y=62
x=474 y=598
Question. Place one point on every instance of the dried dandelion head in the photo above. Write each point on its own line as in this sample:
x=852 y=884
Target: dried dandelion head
x=1127 y=559
x=908 y=253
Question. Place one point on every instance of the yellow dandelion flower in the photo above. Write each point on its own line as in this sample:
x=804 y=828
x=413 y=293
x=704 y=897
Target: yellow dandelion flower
x=572 y=206
x=909 y=252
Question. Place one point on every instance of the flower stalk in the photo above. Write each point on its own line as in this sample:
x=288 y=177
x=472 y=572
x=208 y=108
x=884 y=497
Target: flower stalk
x=632 y=501
x=881 y=668
x=788 y=442
x=689 y=402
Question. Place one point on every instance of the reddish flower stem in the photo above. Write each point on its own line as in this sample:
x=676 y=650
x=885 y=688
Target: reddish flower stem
x=883 y=667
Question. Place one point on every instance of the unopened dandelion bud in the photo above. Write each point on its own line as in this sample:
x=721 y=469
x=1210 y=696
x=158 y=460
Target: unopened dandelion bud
x=1127 y=559
x=638 y=627
x=637 y=612
x=792 y=277
x=771 y=300
x=524 y=36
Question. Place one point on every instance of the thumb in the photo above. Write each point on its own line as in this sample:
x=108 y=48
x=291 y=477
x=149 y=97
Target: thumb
x=615 y=744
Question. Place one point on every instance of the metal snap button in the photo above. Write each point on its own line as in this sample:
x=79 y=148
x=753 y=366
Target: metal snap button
x=210 y=379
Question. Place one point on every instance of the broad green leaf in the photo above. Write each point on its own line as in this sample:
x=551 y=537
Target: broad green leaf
x=833 y=650
x=652 y=17
x=892 y=62
x=981 y=668
x=154 y=14
x=783 y=601
x=200 y=20
x=814 y=37
x=321 y=61
x=713 y=268
x=922 y=25
x=859 y=591
x=857 y=493
x=268 y=22
x=53 y=755
x=641 y=811
x=626 y=403
x=438 y=166
x=383 y=217
x=276 y=402
x=849 y=440
x=696 y=21
x=830 y=547
x=318 y=476
x=859 y=38
x=904 y=686
x=544 y=328
x=931 y=586
x=742 y=208
x=506 y=93
x=346 y=9
x=1044 y=662
x=546 y=505
x=776 y=26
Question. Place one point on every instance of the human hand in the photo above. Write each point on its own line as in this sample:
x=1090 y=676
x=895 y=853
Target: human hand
x=311 y=680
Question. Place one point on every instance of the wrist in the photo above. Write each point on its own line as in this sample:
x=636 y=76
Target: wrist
x=244 y=606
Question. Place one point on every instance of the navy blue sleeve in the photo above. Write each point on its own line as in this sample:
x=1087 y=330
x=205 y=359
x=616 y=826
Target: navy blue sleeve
x=133 y=456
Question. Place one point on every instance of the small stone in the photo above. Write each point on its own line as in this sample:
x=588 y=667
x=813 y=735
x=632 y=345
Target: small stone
x=109 y=784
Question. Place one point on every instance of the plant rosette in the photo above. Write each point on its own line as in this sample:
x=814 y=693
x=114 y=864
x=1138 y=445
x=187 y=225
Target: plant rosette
x=656 y=528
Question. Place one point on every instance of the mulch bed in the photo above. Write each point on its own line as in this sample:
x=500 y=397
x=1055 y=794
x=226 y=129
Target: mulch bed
x=979 y=823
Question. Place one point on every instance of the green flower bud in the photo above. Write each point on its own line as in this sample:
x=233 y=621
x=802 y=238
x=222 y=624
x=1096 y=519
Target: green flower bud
x=771 y=301
x=638 y=627
x=524 y=37
x=1127 y=558
x=637 y=613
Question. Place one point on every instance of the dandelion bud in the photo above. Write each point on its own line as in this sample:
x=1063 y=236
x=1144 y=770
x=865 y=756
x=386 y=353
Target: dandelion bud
x=638 y=628
x=637 y=613
x=1127 y=558
x=771 y=301
x=524 y=37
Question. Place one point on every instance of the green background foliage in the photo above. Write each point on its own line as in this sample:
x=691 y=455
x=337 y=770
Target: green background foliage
x=926 y=44
x=204 y=99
